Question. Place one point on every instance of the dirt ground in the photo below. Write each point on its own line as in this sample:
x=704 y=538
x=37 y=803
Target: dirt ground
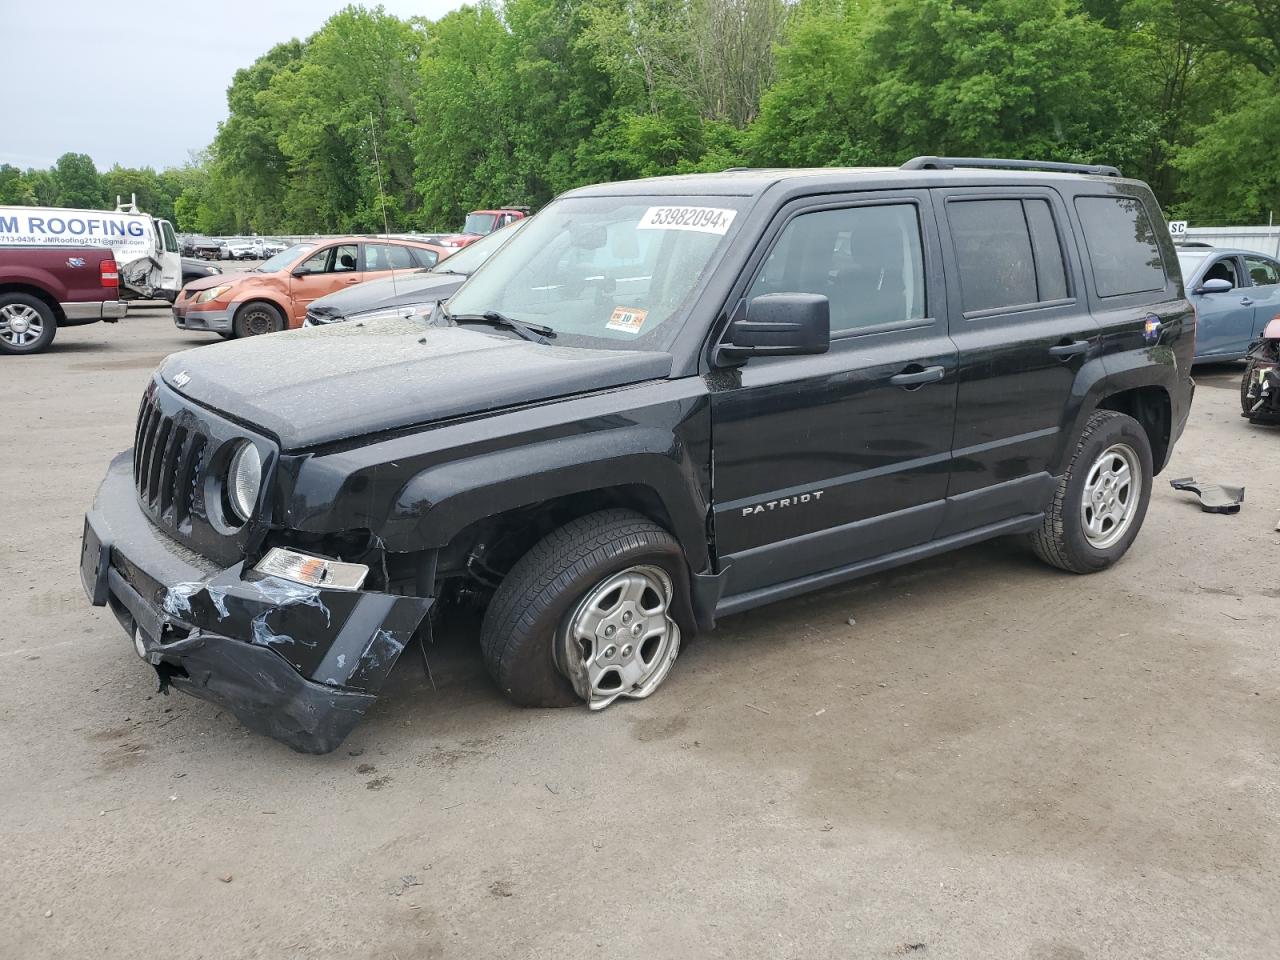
x=995 y=760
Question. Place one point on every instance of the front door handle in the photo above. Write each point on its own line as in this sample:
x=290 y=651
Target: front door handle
x=1246 y=301
x=916 y=376
x=1064 y=351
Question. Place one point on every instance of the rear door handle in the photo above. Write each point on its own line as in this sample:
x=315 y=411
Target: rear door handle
x=916 y=376
x=1064 y=351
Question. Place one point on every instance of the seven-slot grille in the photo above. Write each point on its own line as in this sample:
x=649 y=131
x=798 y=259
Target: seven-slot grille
x=167 y=460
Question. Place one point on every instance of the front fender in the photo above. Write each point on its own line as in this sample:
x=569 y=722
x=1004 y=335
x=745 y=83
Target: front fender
x=417 y=490
x=438 y=503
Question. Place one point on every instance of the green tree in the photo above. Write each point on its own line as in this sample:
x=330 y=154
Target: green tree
x=463 y=146
x=248 y=169
x=1231 y=166
x=347 y=96
x=12 y=188
x=814 y=114
x=76 y=182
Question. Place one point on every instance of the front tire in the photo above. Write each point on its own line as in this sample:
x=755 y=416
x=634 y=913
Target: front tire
x=255 y=319
x=588 y=614
x=1102 y=499
x=27 y=324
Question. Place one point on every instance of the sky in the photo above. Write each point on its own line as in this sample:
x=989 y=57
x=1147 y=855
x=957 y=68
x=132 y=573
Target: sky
x=139 y=82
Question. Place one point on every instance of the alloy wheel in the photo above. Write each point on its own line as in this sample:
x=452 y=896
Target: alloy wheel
x=21 y=325
x=1110 y=497
x=620 y=640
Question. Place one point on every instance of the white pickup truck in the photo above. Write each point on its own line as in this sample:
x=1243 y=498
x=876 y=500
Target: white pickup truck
x=145 y=248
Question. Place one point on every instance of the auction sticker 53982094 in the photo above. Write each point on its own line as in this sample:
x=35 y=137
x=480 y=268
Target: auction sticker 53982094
x=700 y=219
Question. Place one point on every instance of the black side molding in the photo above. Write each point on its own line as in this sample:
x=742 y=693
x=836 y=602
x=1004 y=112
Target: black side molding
x=993 y=163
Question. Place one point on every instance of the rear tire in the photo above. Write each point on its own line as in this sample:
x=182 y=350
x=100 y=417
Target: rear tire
x=257 y=318
x=547 y=587
x=27 y=323
x=1101 y=501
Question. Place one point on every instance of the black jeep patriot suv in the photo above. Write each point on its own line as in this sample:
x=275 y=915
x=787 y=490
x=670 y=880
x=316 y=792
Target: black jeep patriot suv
x=664 y=401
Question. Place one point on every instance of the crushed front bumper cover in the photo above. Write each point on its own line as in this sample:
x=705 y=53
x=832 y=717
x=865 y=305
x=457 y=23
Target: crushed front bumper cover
x=1261 y=392
x=186 y=317
x=300 y=664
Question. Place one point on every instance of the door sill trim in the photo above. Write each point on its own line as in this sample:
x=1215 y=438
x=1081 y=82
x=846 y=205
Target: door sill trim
x=817 y=581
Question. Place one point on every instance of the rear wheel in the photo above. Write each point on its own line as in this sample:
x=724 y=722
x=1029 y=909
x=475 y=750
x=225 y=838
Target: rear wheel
x=587 y=615
x=1102 y=499
x=27 y=324
x=254 y=319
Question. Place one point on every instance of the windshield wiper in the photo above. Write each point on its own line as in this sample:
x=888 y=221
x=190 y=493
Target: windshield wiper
x=534 y=332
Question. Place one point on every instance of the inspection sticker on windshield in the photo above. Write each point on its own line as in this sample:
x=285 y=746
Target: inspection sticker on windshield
x=702 y=219
x=627 y=319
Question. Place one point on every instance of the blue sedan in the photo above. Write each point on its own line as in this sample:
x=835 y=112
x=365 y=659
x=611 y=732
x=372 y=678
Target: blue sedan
x=1236 y=293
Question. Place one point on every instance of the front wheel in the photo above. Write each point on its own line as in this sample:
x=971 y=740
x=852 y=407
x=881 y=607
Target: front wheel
x=588 y=614
x=1102 y=499
x=254 y=319
x=27 y=324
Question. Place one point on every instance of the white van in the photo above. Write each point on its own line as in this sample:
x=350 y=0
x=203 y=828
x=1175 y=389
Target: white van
x=145 y=248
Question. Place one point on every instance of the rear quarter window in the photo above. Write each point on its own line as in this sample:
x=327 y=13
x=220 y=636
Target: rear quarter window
x=1122 y=245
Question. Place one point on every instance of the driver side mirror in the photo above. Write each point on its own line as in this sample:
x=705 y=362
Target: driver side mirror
x=779 y=325
x=1216 y=285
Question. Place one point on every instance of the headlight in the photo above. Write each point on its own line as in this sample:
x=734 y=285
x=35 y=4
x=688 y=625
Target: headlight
x=244 y=480
x=386 y=313
x=204 y=296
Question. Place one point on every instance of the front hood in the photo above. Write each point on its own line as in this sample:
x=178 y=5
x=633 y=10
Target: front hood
x=320 y=384
x=407 y=288
x=218 y=279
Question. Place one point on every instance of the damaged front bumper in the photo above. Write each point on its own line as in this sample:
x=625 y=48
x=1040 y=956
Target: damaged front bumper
x=301 y=664
x=1261 y=392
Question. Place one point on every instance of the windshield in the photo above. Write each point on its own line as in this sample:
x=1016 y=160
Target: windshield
x=1188 y=262
x=284 y=258
x=605 y=271
x=480 y=223
x=468 y=260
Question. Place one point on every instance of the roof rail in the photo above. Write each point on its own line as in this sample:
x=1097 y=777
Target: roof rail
x=991 y=163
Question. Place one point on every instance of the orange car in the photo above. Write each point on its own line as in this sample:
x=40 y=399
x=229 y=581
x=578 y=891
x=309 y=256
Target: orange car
x=275 y=295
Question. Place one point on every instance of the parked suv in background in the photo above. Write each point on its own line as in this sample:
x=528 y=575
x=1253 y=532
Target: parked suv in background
x=275 y=295
x=664 y=401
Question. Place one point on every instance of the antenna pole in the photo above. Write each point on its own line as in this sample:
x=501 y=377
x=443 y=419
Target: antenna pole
x=382 y=197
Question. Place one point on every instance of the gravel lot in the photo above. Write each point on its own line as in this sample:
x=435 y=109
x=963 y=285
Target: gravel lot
x=996 y=760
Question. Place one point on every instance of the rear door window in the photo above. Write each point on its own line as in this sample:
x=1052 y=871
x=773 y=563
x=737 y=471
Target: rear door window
x=387 y=256
x=423 y=257
x=866 y=260
x=1008 y=251
x=1122 y=245
x=1262 y=272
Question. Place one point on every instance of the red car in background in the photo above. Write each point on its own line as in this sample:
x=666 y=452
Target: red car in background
x=481 y=223
x=275 y=295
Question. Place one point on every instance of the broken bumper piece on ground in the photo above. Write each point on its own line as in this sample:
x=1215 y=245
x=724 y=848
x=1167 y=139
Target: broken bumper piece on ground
x=1214 y=497
x=300 y=664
